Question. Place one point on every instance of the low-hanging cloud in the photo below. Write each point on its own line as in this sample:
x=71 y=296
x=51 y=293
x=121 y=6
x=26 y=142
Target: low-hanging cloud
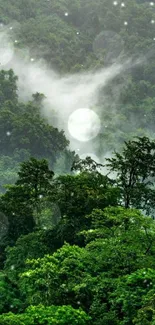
x=64 y=94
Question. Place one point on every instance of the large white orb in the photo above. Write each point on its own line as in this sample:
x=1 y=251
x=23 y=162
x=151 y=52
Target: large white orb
x=84 y=124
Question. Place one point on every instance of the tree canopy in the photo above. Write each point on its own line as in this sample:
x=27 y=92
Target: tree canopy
x=77 y=235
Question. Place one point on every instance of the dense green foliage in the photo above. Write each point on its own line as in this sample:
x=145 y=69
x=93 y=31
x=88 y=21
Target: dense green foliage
x=64 y=315
x=95 y=262
x=24 y=132
x=73 y=36
x=78 y=246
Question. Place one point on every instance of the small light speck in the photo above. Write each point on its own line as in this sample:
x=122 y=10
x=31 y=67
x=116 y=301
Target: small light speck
x=122 y=4
x=152 y=21
x=32 y=59
x=151 y=3
x=11 y=27
x=12 y=267
x=125 y=23
x=115 y=3
x=8 y=133
x=66 y=14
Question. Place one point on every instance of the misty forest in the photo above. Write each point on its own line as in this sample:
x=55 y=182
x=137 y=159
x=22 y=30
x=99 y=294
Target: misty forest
x=77 y=162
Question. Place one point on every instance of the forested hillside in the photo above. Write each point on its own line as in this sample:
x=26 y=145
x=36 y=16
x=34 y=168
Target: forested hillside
x=73 y=37
x=77 y=234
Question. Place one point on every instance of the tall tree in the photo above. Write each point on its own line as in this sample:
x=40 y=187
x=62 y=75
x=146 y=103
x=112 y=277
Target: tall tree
x=21 y=202
x=135 y=170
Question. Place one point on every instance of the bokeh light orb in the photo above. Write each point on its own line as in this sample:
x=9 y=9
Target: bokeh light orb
x=84 y=124
x=4 y=225
x=108 y=45
x=49 y=215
